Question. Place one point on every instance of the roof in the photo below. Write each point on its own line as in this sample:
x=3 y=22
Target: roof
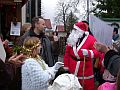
x=60 y=28
x=48 y=23
x=12 y=2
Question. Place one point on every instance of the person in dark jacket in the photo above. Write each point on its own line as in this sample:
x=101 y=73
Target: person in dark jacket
x=55 y=45
x=37 y=30
x=4 y=76
x=111 y=58
x=115 y=34
x=9 y=71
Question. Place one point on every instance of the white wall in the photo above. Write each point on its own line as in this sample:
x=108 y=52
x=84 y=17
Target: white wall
x=117 y=23
x=23 y=14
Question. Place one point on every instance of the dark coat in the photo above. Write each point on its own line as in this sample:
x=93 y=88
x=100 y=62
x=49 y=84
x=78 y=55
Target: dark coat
x=56 y=47
x=47 y=53
x=10 y=77
x=112 y=62
x=5 y=78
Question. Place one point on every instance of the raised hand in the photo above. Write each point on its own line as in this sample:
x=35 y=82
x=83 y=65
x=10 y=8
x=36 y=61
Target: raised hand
x=17 y=59
x=58 y=65
x=101 y=47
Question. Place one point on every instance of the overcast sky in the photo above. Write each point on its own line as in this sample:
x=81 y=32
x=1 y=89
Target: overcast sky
x=49 y=8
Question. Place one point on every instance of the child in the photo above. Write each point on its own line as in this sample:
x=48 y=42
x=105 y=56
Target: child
x=35 y=72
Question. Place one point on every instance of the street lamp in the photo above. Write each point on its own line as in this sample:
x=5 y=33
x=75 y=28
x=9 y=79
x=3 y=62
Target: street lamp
x=36 y=8
x=88 y=11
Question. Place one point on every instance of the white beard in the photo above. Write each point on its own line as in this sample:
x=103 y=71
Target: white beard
x=74 y=36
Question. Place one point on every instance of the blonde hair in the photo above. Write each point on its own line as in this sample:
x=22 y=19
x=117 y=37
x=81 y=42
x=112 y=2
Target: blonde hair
x=25 y=27
x=30 y=46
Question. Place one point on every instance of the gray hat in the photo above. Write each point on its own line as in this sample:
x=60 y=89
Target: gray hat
x=114 y=65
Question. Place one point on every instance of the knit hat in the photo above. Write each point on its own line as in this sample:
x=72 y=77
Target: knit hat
x=81 y=26
x=112 y=62
x=114 y=65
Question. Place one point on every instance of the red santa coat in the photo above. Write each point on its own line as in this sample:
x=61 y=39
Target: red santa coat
x=76 y=67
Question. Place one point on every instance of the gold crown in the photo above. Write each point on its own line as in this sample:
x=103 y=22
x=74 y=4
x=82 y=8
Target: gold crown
x=29 y=50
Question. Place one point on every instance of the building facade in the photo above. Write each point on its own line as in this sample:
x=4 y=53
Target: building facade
x=31 y=9
x=10 y=10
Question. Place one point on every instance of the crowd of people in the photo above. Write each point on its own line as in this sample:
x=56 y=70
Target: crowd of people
x=86 y=61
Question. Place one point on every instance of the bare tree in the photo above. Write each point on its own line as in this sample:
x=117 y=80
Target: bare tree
x=85 y=8
x=64 y=7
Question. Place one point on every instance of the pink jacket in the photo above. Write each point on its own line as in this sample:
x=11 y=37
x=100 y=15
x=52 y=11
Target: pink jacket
x=107 y=86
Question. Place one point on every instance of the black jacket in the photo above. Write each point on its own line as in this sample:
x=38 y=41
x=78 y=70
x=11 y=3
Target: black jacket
x=5 y=78
x=10 y=76
x=112 y=62
x=47 y=52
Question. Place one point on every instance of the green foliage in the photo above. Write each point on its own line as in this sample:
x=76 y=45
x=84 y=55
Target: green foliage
x=71 y=20
x=17 y=49
x=108 y=8
x=63 y=9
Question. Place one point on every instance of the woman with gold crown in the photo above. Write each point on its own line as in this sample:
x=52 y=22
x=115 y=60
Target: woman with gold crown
x=35 y=72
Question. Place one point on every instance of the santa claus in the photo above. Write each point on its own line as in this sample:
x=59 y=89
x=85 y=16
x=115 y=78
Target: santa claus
x=80 y=53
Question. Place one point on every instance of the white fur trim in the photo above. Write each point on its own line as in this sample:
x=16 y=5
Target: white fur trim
x=92 y=54
x=103 y=63
x=83 y=41
x=75 y=52
x=86 y=32
x=77 y=68
x=88 y=77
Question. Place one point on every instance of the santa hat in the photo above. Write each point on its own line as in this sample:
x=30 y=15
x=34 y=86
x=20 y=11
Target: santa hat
x=81 y=26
